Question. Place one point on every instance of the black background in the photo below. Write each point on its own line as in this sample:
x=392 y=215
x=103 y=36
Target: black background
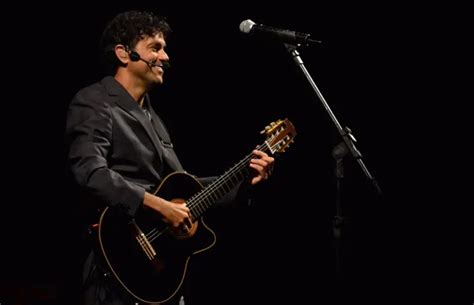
x=375 y=68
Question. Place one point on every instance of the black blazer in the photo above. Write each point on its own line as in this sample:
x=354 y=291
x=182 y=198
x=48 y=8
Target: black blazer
x=117 y=151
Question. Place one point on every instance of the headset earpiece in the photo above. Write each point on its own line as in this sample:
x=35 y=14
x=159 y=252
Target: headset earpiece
x=134 y=56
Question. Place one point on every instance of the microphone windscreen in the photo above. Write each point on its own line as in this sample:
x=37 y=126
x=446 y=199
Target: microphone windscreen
x=246 y=26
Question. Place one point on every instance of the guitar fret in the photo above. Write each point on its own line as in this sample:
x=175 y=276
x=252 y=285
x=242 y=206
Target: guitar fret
x=226 y=187
x=214 y=196
x=220 y=193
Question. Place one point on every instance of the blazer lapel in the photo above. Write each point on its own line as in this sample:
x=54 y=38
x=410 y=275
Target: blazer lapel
x=126 y=102
x=165 y=141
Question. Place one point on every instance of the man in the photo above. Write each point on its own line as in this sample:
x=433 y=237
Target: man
x=120 y=150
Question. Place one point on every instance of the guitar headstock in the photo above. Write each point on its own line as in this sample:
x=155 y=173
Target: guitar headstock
x=280 y=134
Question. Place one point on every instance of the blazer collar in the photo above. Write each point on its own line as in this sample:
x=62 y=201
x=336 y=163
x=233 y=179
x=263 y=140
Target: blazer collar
x=126 y=102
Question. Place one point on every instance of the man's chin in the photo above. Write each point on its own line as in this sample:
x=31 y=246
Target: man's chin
x=158 y=81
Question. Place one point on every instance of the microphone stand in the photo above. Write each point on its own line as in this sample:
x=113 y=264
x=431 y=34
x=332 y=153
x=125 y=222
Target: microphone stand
x=346 y=146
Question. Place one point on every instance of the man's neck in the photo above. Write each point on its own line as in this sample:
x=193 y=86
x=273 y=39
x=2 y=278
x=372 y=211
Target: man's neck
x=133 y=88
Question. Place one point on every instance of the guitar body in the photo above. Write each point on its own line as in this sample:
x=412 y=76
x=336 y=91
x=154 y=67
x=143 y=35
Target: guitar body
x=147 y=257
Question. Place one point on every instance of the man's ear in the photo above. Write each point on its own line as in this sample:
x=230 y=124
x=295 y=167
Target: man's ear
x=122 y=53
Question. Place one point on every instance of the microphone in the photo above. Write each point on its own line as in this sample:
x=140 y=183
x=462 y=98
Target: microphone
x=286 y=36
x=134 y=56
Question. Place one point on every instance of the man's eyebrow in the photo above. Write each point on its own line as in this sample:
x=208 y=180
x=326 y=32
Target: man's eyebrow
x=157 y=43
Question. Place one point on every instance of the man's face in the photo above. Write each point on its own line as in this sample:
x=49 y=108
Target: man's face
x=152 y=50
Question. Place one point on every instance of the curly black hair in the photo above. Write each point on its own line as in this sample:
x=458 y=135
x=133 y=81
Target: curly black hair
x=128 y=28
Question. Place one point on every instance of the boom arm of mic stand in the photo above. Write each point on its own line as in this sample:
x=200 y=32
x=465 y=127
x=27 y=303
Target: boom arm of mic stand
x=345 y=133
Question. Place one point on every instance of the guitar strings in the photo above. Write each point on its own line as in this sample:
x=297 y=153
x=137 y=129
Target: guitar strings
x=194 y=200
x=206 y=193
x=203 y=196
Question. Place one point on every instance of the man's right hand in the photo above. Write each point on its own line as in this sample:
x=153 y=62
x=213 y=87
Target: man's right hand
x=175 y=213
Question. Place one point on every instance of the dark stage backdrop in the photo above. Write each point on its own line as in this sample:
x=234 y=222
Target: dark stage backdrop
x=222 y=89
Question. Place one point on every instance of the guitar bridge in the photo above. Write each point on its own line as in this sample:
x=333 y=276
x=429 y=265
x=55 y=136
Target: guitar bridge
x=143 y=241
x=145 y=245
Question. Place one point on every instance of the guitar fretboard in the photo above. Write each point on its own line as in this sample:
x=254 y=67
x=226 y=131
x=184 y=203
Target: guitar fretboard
x=208 y=196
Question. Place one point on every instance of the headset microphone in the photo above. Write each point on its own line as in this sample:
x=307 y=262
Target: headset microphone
x=134 y=56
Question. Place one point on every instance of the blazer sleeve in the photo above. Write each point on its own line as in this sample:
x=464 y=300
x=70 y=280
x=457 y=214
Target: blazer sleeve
x=89 y=134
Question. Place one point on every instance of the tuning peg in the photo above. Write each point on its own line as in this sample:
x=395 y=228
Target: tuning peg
x=267 y=128
x=271 y=127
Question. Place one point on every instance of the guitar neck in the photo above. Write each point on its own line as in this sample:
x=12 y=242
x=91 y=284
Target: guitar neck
x=208 y=196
